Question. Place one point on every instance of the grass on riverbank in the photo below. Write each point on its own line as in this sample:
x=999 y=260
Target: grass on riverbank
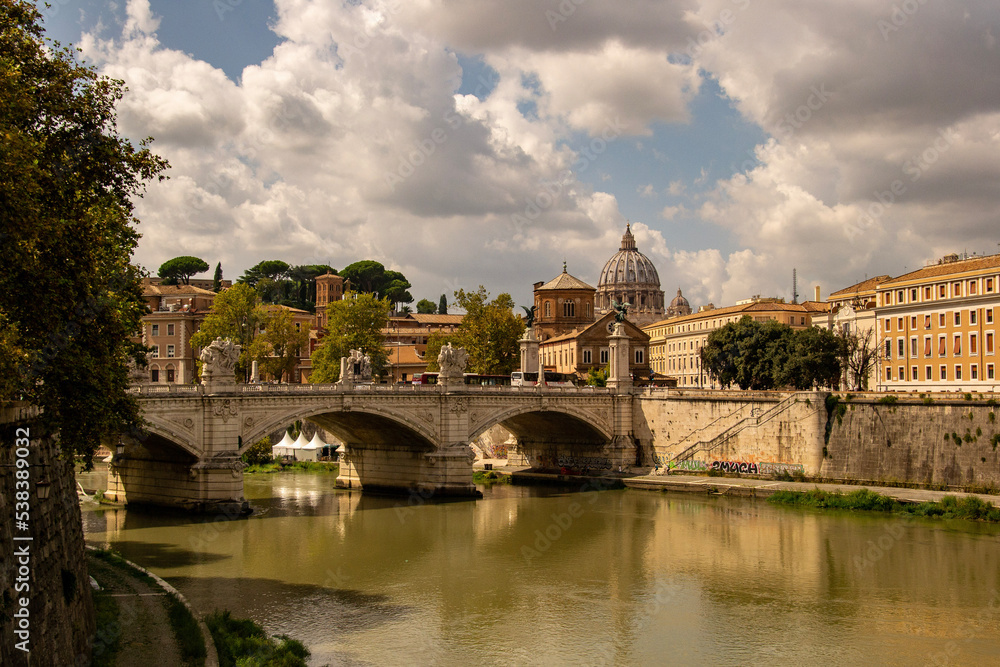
x=107 y=635
x=295 y=466
x=489 y=477
x=186 y=631
x=969 y=508
x=242 y=642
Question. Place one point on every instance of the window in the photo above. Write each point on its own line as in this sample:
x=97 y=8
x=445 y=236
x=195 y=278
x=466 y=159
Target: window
x=989 y=284
x=156 y=330
x=942 y=351
x=958 y=372
x=154 y=375
x=927 y=297
x=974 y=372
x=972 y=290
x=913 y=295
x=941 y=320
x=989 y=371
x=569 y=309
x=956 y=291
x=973 y=345
x=927 y=321
x=958 y=345
x=170 y=329
x=900 y=347
x=989 y=316
x=155 y=352
x=604 y=355
x=958 y=319
x=888 y=373
x=548 y=309
x=913 y=374
x=888 y=348
x=899 y=296
x=586 y=310
x=913 y=346
x=639 y=356
x=941 y=293
x=944 y=372
x=899 y=323
x=888 y=325
x=170 y=375
x=587 y=357
x=913 y=322
x=972 y=317
x=989 y=342
x=902 y=374
x=927 y=346
x=928 y=373
x=170 y=350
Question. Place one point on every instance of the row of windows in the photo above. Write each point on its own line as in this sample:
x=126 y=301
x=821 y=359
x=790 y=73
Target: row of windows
x=569 y=309
x=156 y=330
x=953 y=289
x=942 y=320
x=549 y=357
x=942 y=347
x=154 y=375
x=155 y=353
x=942 y=373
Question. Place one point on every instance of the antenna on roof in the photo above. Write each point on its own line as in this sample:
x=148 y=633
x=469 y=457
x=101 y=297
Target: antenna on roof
x=795 y=286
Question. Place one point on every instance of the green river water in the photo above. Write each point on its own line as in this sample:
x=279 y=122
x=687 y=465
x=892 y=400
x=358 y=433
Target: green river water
x=560 y=576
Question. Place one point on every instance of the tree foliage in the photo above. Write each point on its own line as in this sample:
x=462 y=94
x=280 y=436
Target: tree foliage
x=69 y=297
x=356 y=322
x=435 y=342
x=765 y=355
x=370 y=277
x=180 y=269
x=277 y=348
x=236 y=314
x=443 y=305
x=217 y=278
x=859 y=356
x=281 y=283
x=489 y=332
x=426 y=307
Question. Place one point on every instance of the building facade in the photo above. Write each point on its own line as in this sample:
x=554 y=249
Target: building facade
x=675 y=343
x=175 y=314
x=580 y=350
x=852 y=312
x=937 y=327
x=563 y=304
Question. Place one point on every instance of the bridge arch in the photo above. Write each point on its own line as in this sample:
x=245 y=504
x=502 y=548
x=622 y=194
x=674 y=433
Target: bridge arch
x=164 y=430
x=353 y=426
x=562 y=422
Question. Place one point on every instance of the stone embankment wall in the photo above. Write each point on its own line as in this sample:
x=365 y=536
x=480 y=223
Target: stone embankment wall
x=745 y=432
x=60 y=612
x=944 y=440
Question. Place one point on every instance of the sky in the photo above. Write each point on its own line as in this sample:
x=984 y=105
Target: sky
x=485 y=142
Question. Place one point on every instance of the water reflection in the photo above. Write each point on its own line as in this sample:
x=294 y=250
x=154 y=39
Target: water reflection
x=555 y=576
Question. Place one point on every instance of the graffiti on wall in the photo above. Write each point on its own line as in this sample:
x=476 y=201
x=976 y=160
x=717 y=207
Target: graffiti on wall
x=778 y=468
x=739 y=467
x=580 y=462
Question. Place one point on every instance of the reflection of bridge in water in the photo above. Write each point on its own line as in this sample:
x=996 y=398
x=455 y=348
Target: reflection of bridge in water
x=401 y=439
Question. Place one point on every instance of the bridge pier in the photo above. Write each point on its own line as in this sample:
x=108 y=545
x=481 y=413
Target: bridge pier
x=406 y=471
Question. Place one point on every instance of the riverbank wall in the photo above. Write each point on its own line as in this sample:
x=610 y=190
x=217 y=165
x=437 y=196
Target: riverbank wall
x=940 y=440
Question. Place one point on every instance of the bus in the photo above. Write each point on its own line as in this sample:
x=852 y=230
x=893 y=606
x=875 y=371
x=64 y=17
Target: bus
x=552 y=379
x=475 y=379
x=425 y=378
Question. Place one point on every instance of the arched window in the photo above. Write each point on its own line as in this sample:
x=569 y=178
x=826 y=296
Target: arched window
x=569 y=309
x=548 y=309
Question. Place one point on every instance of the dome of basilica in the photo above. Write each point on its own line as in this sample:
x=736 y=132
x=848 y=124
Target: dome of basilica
x=630 y=277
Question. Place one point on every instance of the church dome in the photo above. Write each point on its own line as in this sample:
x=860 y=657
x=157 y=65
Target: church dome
x=628 y=266
x=629 y=276
x=679 y=300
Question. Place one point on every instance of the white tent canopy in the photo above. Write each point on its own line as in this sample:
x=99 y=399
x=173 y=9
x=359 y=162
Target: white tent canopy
x=286 y=448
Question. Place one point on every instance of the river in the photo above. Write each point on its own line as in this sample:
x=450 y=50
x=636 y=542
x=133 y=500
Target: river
x=564 y=576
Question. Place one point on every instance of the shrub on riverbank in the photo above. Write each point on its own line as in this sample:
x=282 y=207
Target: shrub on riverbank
x=489 y=477
x=970 y=508
x=305 y=466
x=242 y=642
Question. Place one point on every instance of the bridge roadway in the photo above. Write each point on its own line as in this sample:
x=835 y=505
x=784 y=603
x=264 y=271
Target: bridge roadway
x=407 y=439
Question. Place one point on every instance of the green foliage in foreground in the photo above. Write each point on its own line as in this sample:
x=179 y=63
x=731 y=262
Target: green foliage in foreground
x=969 y=508
x=242 y=642
x=489 y=477
x=186 y=631
x=295 y=466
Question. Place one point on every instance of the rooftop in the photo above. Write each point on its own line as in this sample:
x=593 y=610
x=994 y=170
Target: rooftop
x=949 y=267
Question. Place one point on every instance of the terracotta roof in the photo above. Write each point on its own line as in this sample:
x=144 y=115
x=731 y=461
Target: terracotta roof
x=294 y=311
x=961 y=266
x=175 y=290
x=816 y=306
x=566 y=281
x=864 y=286
x=600 y=323
x=404 y=354
x=434 y=318
x=755 y=307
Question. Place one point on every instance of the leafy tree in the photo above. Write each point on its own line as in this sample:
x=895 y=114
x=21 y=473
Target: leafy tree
x=489 y=332
x=236 y=314
x=217 y=278
x=69 y=297
x=598 y=377
x=435 y=342
x=356 y=322
x=443 y=305
x=813 y=360
x=277 y=348
x=180 y=269
x=426 y=307
x=370 y=277
x=259 y=453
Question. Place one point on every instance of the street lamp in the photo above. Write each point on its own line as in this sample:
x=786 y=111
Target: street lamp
x=43 y=488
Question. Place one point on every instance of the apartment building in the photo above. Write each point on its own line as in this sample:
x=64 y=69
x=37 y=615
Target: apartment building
x=176 y=313
x=937 y=326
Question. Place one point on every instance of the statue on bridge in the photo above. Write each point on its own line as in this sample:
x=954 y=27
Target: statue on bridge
x=219 y=361
x=452 y=361
x=357 y=367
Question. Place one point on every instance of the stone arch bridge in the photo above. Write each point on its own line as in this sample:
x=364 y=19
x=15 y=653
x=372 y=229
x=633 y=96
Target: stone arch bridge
x=401 y=439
